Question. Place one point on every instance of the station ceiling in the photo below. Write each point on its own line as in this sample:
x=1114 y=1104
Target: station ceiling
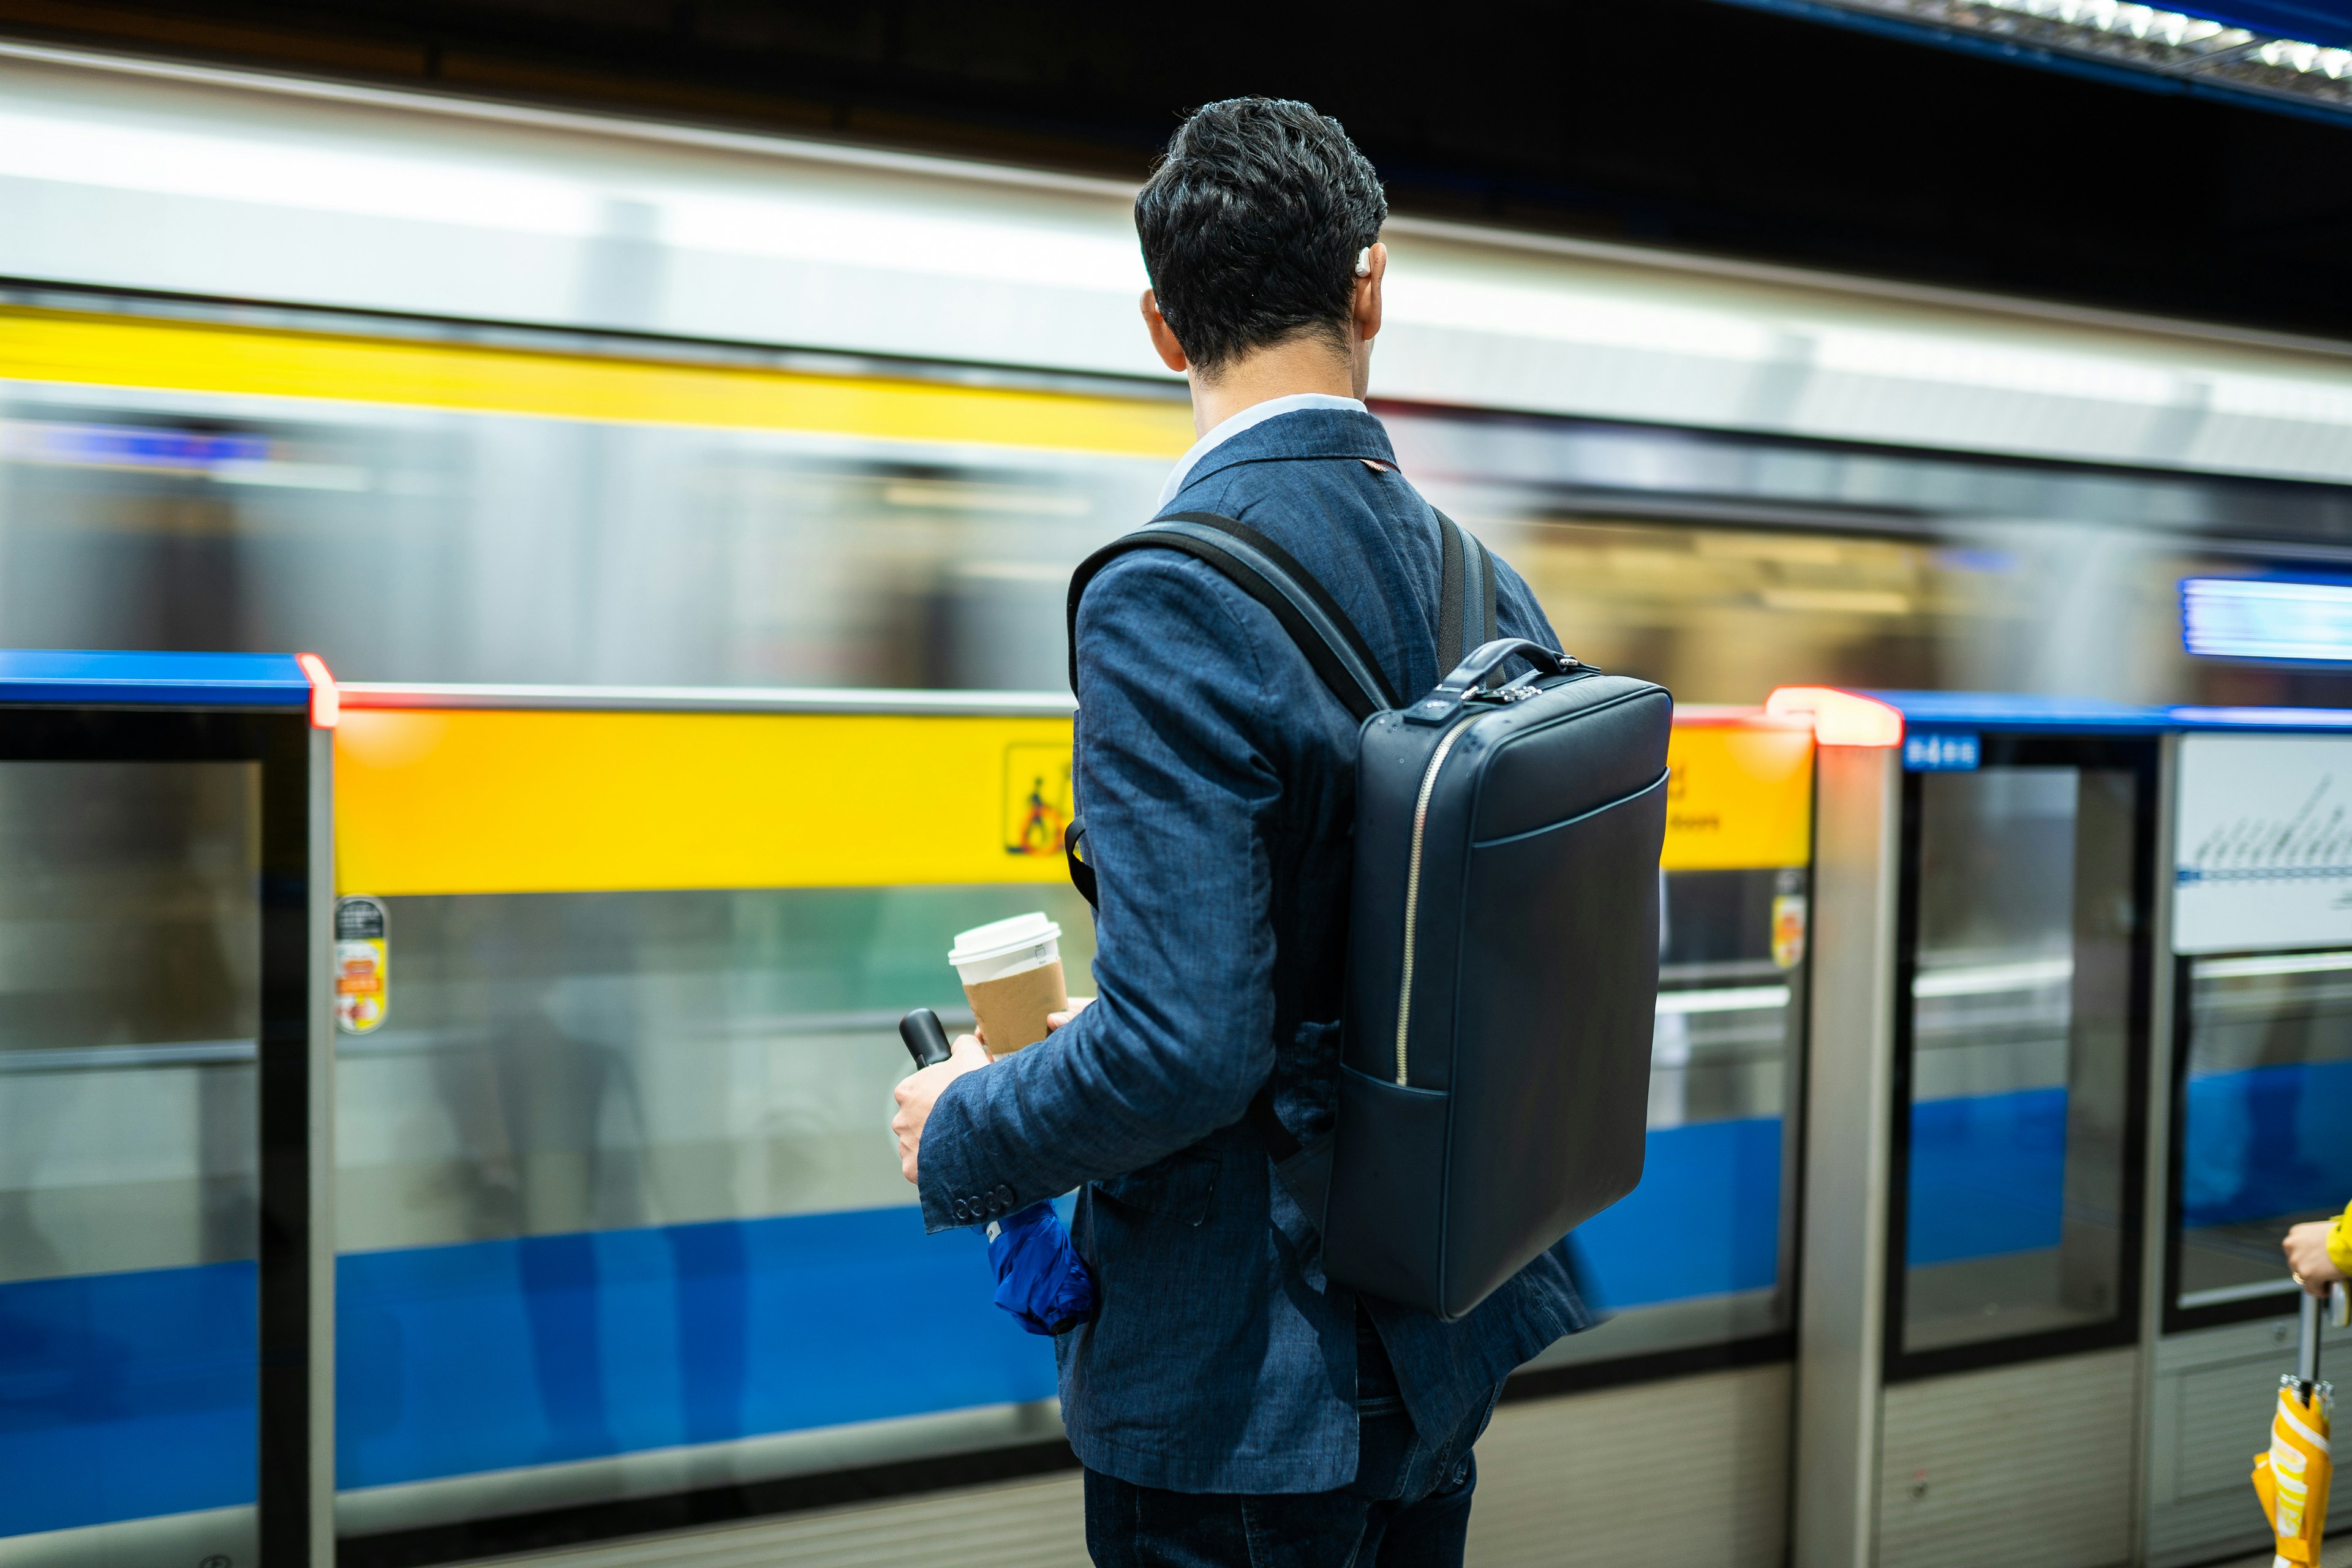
x=2286 y=58
x=1714 y=127
x=2322 y=21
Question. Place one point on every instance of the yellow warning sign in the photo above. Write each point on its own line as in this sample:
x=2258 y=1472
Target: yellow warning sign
x=480 y=801
x=1037 y=799
x=1739 y=796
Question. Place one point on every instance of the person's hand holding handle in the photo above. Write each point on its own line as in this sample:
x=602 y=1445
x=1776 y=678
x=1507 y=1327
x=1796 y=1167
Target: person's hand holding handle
x=937 y=1064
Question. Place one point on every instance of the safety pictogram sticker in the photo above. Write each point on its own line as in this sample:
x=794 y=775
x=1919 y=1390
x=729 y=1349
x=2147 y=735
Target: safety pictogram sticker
x=361 y=973
x=1037 y=799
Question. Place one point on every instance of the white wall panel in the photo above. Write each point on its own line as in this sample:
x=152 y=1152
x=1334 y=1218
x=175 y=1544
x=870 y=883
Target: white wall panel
x=2018 y=1467
x=1691 y=1470
x=1018 y=1524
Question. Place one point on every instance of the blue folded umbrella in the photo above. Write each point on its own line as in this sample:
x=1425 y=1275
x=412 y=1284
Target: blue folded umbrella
x=1040 y=1278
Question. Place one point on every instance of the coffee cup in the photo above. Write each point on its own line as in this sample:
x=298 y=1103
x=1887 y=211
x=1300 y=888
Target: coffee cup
x=1012 y=974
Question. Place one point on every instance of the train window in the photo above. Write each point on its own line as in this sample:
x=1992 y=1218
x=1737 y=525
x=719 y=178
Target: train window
x=2265 y=1095
x=2014 y=1202
x=614 y=1176
x=467 y=548
x=130 y=1003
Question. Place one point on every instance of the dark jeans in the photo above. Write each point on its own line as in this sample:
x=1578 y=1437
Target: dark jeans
x=1409 y=1508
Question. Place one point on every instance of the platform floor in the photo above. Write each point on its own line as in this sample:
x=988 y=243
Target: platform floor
x=1020 y=1524
x=993 y=1529
x=2336 y=1554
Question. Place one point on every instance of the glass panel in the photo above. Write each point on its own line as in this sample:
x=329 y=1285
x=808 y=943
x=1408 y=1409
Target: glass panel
x=130 y=988
x=2264 y=1117
x=617 y=1179
x=2019 y=1054
x=1730 y=1013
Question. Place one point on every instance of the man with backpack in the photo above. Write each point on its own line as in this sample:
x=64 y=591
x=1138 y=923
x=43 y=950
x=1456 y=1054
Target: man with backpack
x=1231 y=1404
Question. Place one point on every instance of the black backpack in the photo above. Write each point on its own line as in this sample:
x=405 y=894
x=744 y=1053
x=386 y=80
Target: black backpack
x=1502 y=937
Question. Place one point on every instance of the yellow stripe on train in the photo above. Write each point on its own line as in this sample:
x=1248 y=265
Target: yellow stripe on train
x=193 y=356
x=1739 y=794
x=487 y=801
x=478 y=801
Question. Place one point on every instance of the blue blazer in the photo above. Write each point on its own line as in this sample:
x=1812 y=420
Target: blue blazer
x=1216 y=774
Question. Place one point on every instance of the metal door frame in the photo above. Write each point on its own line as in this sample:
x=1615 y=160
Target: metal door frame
x=294 y=1068
x=2142 y=757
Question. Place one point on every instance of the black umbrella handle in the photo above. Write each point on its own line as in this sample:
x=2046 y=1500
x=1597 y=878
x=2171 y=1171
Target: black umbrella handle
x=2307 y=1360
x=927 y=1042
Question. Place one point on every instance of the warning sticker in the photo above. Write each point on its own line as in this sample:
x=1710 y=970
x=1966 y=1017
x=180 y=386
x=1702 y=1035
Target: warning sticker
x=362 y=926
x=1037 y=799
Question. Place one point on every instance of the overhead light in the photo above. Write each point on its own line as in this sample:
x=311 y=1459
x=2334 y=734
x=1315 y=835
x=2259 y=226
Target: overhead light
x=2306 y=621
x=2145 y=24
x=2142 y=38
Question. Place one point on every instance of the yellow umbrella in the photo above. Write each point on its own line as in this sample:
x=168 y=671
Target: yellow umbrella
x=2292 y=1476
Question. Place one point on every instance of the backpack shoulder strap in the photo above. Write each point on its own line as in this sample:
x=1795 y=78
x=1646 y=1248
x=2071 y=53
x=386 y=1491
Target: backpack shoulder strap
x=1266 y=573
x=1465 y=593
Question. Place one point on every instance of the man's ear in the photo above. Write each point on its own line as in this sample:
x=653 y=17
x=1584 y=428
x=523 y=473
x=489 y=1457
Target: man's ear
x=1367 y=307
x=1163 y=340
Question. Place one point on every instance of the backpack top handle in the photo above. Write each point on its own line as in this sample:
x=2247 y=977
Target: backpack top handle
x=1473 y=672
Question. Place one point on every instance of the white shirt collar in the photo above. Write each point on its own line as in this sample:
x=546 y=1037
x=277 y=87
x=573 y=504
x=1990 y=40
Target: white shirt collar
x=1255 y=414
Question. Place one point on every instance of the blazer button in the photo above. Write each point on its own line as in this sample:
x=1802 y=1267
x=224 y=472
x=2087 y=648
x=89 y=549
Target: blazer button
x=959 y=1210
x=995 y=1206
x=1005 y=1197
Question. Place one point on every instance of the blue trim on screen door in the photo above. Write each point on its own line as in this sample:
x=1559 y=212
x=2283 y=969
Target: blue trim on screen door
x=154 y=679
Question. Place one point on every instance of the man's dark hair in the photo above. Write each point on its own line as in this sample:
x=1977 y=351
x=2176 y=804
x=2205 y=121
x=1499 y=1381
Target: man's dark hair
x=1251 y=224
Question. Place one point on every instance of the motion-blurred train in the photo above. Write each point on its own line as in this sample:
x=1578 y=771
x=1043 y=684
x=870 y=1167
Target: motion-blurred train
x=506 y=410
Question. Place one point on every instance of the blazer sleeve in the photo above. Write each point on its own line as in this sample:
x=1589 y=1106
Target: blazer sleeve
x=1178 y=788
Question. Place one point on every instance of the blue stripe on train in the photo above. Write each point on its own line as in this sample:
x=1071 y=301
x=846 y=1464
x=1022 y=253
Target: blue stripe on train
x=1987 y=1171
x=1705 y=1221
x=116 y=1398
x=494 y=1355
x=1988 y=1175
x=2267 y=1141
x=126 y=1394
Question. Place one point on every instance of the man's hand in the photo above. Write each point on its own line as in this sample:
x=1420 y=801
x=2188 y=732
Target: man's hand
x=919 y=1090
x=1077 y=1005
x=2307 y=1254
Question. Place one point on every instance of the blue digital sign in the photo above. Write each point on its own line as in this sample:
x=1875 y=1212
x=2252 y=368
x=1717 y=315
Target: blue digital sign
x=2303 y=619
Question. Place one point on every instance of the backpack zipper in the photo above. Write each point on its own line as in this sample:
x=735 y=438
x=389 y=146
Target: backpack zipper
x=1412 y=889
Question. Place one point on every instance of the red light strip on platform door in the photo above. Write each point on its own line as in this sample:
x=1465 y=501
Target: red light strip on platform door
x=1840 y=718
x=326 y=702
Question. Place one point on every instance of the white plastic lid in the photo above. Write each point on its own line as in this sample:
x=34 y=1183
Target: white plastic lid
x=1000 y=936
